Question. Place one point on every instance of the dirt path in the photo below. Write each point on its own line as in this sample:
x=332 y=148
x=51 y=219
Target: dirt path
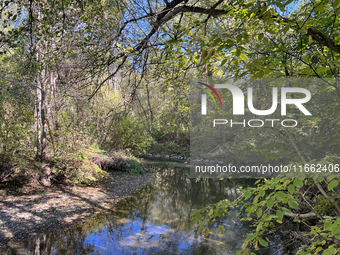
x=56 y=207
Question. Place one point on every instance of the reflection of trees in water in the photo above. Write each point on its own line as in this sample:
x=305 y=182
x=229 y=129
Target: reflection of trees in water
x=67 y=243
x=160 y=203
x=174 y=194
x=62 y=242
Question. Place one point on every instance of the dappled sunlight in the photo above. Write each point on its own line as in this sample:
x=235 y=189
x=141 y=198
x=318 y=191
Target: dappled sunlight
x=27 y=215
x=5 y=231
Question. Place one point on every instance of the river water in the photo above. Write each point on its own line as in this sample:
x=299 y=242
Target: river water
x=148 y=221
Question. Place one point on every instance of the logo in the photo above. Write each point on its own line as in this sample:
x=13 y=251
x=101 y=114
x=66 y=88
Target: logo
x=238 y=99
x=213 y=90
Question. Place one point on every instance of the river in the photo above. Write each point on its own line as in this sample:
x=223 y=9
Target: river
x=148 y=221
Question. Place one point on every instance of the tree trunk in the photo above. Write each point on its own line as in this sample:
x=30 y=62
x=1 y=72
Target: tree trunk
x=40 y=109
x=42 y=80
x=150 y=109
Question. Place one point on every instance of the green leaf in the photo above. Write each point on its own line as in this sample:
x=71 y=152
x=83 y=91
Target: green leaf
x=270 y=203
x=220 y=212
x=262 y=193
x=247 y=194
x=258 y=181
x=172 y=41
x=293 y=204
x=298 y=183
x=329 y=251
x=265 y=40
x=285 y=29
x=243 y=56
x=303 y=31
x=204 y=54
x=319 y=249
x=198 y=215
x=260 y=74
x=322 y=69
x=336 y=3
x=221 y=228
x=224 y=61
x=263 y=242
x=291 y=188
x=333 y=184
x=281 y=195
x=327 y=224
x=279 y=214
x=320 y=8
x=217 y=41
x=259 y=212
x=286 y=210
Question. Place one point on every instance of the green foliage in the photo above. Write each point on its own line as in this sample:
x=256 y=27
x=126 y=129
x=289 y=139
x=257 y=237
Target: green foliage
x=86 y=173
x=130 y=134
x=170 y=148
x=275 y=202
x=135 y=168
x=16 y=118
x=324 y=238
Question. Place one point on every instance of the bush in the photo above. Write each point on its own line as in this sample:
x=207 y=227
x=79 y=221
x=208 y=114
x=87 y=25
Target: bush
x=135 y=168
x=129 y=134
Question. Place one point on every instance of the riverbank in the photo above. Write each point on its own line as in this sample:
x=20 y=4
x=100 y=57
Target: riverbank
x=171 y=157
x=46 y=209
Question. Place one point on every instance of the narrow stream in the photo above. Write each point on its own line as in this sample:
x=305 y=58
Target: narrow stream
x=148 y=221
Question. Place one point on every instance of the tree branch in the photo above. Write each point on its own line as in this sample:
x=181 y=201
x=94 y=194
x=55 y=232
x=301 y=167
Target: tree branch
x=302 y=216
x=323 y=39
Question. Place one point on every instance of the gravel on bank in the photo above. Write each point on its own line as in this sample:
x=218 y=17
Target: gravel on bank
x=51 y=208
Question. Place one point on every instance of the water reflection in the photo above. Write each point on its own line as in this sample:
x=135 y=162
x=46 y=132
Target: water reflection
x=147 y=222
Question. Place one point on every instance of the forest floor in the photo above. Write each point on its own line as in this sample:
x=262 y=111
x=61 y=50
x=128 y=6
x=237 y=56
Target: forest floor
x=41 y=210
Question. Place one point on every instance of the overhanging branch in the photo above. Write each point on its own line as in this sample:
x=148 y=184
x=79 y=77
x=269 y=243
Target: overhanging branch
x=323 y=39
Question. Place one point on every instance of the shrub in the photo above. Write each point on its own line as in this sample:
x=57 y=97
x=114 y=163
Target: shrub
x=135 y=168
x=129 y=134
